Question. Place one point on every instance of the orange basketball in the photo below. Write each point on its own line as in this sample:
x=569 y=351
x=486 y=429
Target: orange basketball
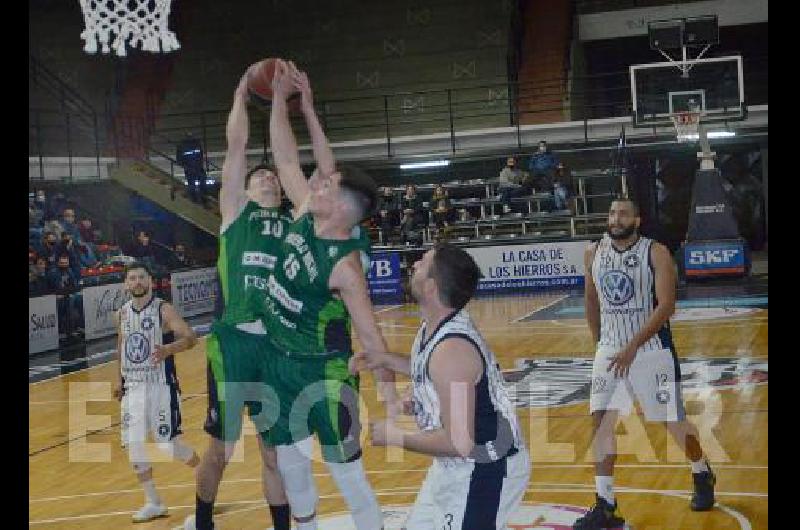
x=260 y=79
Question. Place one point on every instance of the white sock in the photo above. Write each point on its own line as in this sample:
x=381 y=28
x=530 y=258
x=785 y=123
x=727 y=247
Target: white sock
x=150 y=492
x=605 y=488
x=311 y=525
x=700 y=466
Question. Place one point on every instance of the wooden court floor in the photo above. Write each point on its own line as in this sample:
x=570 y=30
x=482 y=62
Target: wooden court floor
x=80 y=477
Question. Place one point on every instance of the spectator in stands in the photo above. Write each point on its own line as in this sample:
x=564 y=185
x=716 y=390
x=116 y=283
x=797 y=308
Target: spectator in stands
x=64 y=282
x=189 y=154
x=68 y=247
x=68 y=223
x=86 y=231
x=180 y=260
x=562 y=188
x=413 y=216
x=513 y=182
x=41 y=202
x=387 y=215
x=48 y=248
x=37 y=278
x=543 y=166
x=143 y=249
x=62 y=278
x=86 y=255
x=35 y=213
x=55 y=207
x=443 y=212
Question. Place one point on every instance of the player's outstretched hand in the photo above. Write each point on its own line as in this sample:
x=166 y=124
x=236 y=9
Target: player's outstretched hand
x=282 y=84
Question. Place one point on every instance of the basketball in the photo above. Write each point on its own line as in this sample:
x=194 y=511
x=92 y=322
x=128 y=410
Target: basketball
x=260 y=78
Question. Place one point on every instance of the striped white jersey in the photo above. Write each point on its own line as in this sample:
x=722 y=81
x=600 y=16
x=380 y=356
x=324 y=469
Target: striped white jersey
x=626 y=289
x=141 y=332
x=496 y=426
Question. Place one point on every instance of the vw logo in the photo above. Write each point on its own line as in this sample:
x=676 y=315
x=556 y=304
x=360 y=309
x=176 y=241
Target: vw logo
x=137 y=348
x=617 y=287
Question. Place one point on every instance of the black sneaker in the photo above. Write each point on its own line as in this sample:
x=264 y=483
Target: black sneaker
x=600 y=517
x=703 y=496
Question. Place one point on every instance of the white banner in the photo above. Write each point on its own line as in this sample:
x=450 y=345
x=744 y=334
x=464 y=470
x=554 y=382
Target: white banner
x=99 y=305
x=194 y=292
x=538 y=265
x=42 y=324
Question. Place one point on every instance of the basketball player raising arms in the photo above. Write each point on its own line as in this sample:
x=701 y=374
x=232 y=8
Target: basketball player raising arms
x=150 y=332
x=629 y=297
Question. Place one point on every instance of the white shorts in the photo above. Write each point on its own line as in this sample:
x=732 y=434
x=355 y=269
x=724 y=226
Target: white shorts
x=466 y=496
x=653 y=380
x=153 y=408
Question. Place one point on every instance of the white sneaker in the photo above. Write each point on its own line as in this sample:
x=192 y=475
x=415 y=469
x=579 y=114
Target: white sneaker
x=149 y=512
x=506 y=208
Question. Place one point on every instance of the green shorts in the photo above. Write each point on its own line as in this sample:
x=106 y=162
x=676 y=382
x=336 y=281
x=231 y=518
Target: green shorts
x=318 y=395
x=238 y=378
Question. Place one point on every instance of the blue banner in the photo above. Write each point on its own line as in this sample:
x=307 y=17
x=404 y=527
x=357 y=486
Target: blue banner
x=714 y=258
x=384 y=278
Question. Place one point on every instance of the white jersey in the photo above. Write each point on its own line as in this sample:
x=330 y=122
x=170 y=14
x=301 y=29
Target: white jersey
x=141 y=332
x=626 y=289
x=496 y=426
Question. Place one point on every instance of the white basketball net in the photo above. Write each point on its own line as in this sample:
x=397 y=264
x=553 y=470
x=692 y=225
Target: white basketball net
x=687 y=123
x=137 y=23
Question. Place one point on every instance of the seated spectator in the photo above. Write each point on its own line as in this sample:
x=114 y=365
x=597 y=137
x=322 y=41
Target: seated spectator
x=48 y=248
x=443 y=212
x=62 y=279
x=35 y=214
x=55 y=207
x=40 y=202
x=142 y=248
x=180 y=260
x=543 y=166
x=413 y=217
x=37 y=278
x=86 y=256
x=561 y=188
x=513 y=182
x=387 y=215
x=68 y=223
x=68 y=247
x=87 y=231
x=54 y=226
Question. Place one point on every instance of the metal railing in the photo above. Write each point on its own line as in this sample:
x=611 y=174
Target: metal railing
x=386 y=117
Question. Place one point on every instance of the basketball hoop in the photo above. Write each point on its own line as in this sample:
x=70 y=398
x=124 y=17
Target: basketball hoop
x=137 y=23
x=687 y=124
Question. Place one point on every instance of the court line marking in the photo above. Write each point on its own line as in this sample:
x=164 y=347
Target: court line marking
x=389 y=308
x=388 y=472
x=542 y=308
x=406 y=490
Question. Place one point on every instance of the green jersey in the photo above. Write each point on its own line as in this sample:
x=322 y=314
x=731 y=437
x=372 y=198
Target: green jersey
x=247 y=253
x=301 y=314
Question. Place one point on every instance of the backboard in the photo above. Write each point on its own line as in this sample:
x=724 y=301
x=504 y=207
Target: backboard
x=714 y=86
